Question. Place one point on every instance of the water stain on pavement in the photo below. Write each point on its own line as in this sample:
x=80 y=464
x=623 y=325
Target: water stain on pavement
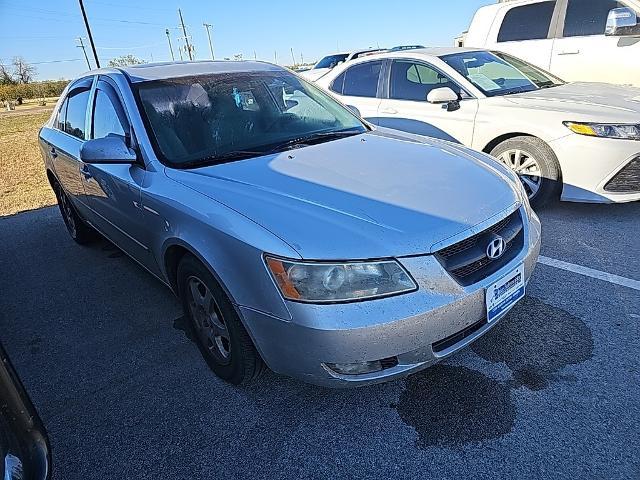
x=536 y=341
x=449 y=406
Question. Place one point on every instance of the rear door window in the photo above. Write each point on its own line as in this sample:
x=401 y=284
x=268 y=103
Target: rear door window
x=61 y=116
x=528 y=22
x=588 y=17
x=75 y=119
x=362 y=80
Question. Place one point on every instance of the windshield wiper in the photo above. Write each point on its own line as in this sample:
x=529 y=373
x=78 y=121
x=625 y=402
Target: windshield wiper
x=222 y=158
x=313 y=138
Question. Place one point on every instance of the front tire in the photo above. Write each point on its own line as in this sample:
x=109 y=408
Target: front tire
x=78 y=229
x=536 y=165
x=218 y=331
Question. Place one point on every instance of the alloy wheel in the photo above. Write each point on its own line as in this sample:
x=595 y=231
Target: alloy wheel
x=527 y=168
x=208 y=322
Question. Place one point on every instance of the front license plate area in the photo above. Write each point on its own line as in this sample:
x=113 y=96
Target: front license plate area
x=505 y=293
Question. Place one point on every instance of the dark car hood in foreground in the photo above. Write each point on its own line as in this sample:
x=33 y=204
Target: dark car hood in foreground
x=366 y=196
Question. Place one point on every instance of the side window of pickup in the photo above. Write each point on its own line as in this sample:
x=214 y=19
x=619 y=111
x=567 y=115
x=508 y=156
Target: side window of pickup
x=528 y=22
x=588 y=17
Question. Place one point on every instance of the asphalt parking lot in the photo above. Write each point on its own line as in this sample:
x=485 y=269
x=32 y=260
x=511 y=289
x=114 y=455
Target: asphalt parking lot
x=551 y=392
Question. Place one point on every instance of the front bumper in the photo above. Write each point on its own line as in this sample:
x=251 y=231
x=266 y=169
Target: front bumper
x=588 y=164
x=404 y=326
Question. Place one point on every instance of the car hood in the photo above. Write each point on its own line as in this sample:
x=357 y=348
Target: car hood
x=365 y=196
x=598 y=102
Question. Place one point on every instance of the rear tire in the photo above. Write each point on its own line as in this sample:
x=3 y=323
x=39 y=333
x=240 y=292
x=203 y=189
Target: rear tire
x=537 y=166
x=216 y=327
x=78 y=229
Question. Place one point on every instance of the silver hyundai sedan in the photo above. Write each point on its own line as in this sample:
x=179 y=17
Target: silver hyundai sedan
x=296 y=236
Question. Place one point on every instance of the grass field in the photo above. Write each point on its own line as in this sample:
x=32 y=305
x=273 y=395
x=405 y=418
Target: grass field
x=23 y=182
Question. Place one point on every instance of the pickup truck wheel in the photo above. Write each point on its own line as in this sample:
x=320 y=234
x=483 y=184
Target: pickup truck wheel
x=536 y=165
x=218 y=331
x=78 y=229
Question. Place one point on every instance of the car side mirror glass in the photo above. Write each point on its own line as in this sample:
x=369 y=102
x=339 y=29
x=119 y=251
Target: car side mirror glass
x=111 y=149
x=621 y=22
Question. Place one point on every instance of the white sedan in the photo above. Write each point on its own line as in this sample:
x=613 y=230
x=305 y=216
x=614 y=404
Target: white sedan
x=574 y=141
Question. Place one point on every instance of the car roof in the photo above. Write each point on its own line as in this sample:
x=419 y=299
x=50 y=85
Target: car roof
x=435 y=51
x=419 y=52
x=162 y=70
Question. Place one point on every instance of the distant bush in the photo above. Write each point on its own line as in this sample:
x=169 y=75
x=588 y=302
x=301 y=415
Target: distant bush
x=50 y=88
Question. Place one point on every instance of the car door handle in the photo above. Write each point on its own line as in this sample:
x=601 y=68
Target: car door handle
x=389 y=110
x=53 y=152
x=569 y=52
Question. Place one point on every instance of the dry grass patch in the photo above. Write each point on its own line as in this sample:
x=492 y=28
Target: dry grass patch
x=23 y=181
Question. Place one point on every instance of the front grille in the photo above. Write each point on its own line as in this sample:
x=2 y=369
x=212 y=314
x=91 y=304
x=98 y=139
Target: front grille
x=467 y=260
x=451 y=340
x=626 y=180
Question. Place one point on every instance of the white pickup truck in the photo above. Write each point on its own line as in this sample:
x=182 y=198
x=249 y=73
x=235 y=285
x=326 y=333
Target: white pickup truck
x=577 y=40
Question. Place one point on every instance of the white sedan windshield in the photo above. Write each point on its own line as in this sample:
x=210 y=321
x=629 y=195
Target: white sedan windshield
x=499 y=74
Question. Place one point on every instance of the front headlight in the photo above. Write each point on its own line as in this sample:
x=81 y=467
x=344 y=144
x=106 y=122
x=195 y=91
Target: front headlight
x=605 y=130
x=321 y=282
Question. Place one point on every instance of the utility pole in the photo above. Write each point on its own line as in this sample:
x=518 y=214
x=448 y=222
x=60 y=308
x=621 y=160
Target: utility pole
x=207 y=26
x=184 y=32
x=84 y=50
x=170 y=47
x=86 y=24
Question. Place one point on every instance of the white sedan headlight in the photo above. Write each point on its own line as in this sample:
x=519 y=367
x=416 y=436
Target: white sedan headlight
x=605 y=130
x=324 y=282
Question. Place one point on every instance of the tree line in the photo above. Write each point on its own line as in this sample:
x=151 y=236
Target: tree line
x=17 y=81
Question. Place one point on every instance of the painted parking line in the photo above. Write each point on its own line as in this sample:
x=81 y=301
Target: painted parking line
x=590 y=272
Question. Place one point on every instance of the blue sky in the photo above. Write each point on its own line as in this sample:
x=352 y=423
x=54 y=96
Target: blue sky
x=44 y=32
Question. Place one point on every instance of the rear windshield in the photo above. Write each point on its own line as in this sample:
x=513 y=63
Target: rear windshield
x=196 y=121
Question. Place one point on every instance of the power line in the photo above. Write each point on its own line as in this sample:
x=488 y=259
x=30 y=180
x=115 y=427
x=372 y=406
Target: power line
x=131 y=48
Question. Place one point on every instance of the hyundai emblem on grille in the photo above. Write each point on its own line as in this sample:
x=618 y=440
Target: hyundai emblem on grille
x=495 y=249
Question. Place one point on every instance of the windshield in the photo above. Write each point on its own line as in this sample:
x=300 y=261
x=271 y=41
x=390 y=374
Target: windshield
x=203 y=120
x=331 y=61
x=500 y=74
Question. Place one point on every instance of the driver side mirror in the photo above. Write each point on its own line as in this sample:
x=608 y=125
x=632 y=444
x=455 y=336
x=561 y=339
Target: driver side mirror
x=621 y=22
x=112 y=149
x=445 y=96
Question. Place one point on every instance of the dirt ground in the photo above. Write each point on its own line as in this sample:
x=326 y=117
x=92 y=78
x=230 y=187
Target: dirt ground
x=23 y=182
